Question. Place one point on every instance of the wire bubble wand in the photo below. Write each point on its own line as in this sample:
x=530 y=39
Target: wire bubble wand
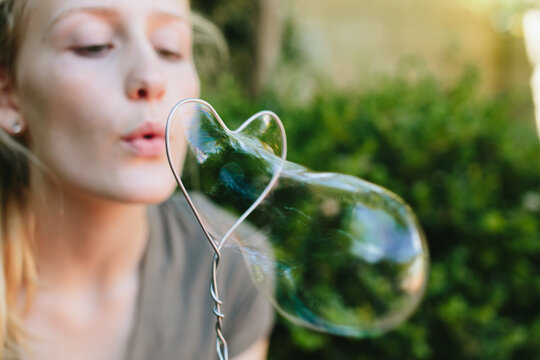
x=217 y=245
x=331 y=252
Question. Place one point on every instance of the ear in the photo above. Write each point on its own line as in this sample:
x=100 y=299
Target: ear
x=11 y=119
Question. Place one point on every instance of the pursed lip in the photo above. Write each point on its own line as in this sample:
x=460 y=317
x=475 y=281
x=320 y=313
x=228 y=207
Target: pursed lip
x=147 y=140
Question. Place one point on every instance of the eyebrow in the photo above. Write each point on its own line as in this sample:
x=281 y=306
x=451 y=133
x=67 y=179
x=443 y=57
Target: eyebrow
x=95 y=10
x=168 y=16
x=111 y=13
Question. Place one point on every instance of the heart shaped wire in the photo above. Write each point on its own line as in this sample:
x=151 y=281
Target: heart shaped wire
x=221 y=344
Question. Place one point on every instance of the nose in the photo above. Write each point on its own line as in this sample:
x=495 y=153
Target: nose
x=145 y=79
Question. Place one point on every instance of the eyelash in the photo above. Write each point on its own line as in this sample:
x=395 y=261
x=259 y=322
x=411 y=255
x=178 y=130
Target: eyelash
x=170 y=55
x=94 y=51
x=99 y=50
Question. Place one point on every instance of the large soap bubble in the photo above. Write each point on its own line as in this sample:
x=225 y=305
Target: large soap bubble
x=331 y=252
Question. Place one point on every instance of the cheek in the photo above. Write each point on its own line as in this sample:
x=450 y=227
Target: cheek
x=59 y=103
x=184 y=83
x=196 y=82
x=65 y=132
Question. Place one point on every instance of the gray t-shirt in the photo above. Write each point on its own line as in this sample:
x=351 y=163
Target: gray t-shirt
x=174 y=318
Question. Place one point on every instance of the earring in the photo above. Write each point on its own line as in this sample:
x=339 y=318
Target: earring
x=17 y=128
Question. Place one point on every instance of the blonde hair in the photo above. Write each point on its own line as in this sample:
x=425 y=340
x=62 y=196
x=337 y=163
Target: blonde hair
x=18 y=273
x=212 y=52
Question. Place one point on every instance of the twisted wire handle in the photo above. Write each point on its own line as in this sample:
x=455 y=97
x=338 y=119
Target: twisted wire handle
x=221 y=343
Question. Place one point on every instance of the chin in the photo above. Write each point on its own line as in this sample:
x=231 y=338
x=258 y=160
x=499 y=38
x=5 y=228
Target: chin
x=149 y=185
x=140 y=190
x=155 y=194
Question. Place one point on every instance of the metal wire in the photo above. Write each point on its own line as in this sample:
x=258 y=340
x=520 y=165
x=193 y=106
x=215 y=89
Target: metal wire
x=221 y=343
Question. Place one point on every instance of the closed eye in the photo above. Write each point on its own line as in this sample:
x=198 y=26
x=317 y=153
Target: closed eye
x=92 y=51
x=170 y=54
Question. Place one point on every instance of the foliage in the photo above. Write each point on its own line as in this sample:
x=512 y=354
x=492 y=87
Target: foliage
x=238 y=21
x=470 y=168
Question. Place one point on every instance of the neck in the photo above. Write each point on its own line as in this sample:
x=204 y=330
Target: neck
x=82 y=241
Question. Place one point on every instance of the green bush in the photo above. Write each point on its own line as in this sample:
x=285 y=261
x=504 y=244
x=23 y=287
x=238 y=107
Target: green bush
x=470 y=168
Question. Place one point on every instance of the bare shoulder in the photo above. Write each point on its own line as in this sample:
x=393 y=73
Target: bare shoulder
x=257 y=351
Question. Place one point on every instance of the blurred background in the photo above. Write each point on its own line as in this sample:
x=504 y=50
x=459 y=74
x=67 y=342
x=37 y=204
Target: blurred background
x=429 y=99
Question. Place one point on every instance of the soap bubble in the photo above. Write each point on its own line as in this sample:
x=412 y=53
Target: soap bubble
x=330 y=251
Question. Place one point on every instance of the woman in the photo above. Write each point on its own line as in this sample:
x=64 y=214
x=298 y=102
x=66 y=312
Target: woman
x=90 y=270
